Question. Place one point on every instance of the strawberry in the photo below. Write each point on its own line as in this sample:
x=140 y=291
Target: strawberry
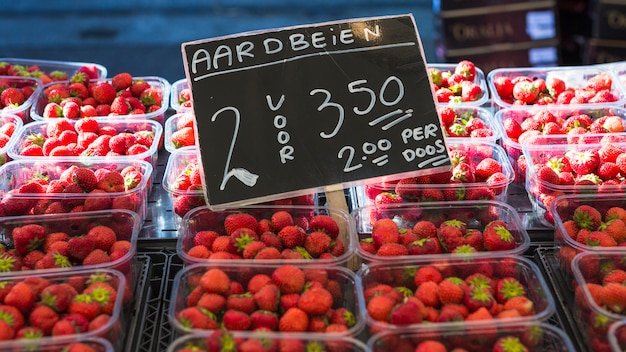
x=317 y=243
x=44 y=318
x=103 y=237
x=587 y=217
x=315 y=301
x=451 y=290
x=293 y=320
x=12 y=97
x=103 y=92
x=27 y=238
x=583 y=162
x=485 y=168
x=509 y=344
x=504 y=87
x=238 y=220
x=122 y=81
x=292 y=236
x=507 y=288
x=379 y=307
x=289 y=278
x=470 y=91
x=151 y=96
x=525 y=92
x=431 y=346
x=497 y=236
x=20 y=296
x=467 y=69
x=79 y=247
x=478 y=297
x=428 y=293
x=196 y=318
x=215 y=280
x=405 y=313
x=325 y=223
x=241 y=302
x=183 y=137
x=96 y=257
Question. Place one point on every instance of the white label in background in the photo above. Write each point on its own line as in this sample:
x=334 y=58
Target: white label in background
x=543 y=56
x=540 y=25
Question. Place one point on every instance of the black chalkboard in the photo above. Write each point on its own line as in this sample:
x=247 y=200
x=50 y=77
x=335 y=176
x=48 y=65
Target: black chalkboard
x=293 y=110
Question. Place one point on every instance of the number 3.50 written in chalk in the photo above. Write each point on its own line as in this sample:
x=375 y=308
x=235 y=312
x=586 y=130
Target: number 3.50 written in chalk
x=386 y=121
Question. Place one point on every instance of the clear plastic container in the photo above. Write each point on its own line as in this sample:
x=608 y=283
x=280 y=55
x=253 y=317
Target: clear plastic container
x=113 y=329
x=535 y=336
x=617 y=336
x=474 y=215
x=343 y=283
x=47 y=66
x=204 y=219
x=60 y=344
x=124 y=223
x=465 y=114
x=594 y=318
x=24 y=110
x=129 y=125
x=513 y=147
x=476 y=151
x=16 y=173
x=479 y=80
x=170 y=128
x=574 y=77
x=40 y=101
x=177 y=87
x=541 y=149
x=5 y=119
x=269 y=342
x=566 y=243
x=407 y=278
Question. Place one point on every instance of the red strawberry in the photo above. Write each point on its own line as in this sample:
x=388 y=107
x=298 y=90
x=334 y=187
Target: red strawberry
x=497 y=237
x=241 y=302
x=292 y=236
x=507 y=288
x=79 y=247
x=267 y=297
x=289 y=278
x=151 y=96
x=196 y=318
x=526 y=92
x=237 y=220
x=264 y=319
x=485 y=168
x=587 y=217
x=103 y=236
x=477 y=297
x=122 y=81
x=215 y=280
x=509 y=343
x=583 y=162
x=315 y=301
x=28 y=237
x=103 y=92
x=325 y=223
x=20 y=296
x=406 y=313
x=44 y=318
x=183 y=137
x=293 y=320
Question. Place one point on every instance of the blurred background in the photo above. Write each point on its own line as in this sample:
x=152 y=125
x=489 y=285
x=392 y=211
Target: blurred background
x=143 y=37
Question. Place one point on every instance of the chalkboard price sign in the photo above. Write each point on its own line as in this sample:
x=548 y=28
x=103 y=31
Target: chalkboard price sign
x=300 y=109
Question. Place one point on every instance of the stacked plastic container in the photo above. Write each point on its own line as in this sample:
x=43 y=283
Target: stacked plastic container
x=69 y=254
x=559 y=144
